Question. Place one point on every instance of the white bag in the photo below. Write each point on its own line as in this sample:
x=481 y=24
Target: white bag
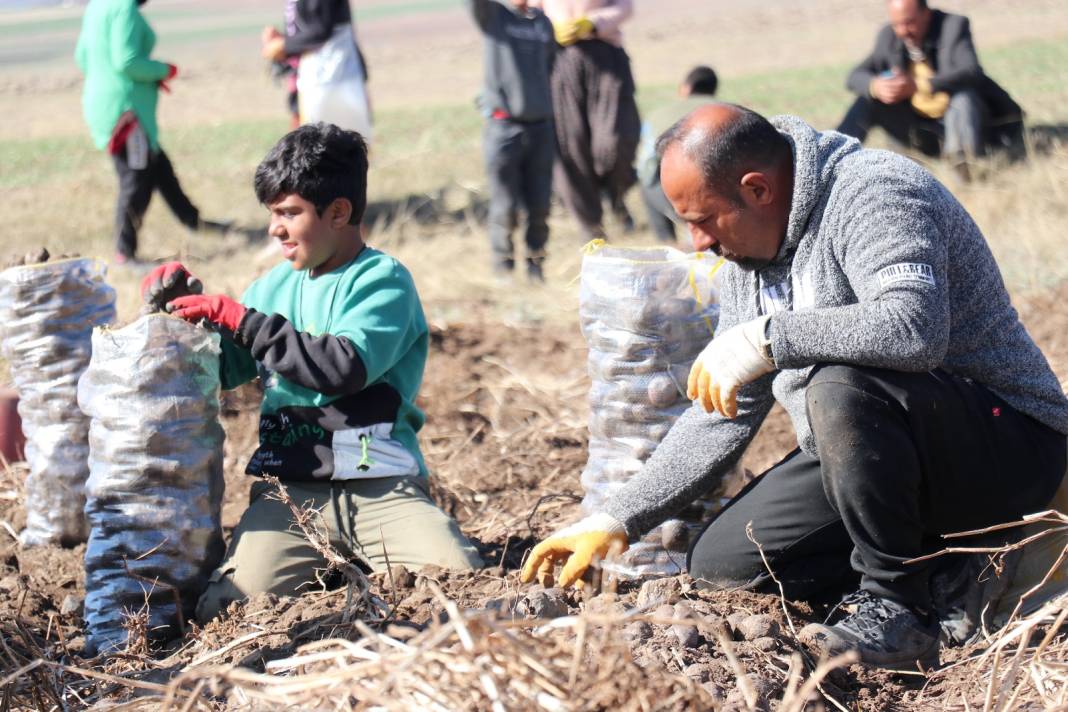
x=331 y=85
x=155 y=490
x=47 y=315
x=646 y=314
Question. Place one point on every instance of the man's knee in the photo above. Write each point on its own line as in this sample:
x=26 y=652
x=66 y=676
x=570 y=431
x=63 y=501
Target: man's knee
x=834 y=390
x=719 y=559
x=965 y=102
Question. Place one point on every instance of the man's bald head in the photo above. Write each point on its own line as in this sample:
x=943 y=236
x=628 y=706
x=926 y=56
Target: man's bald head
x=728 y=173
x=727 y=141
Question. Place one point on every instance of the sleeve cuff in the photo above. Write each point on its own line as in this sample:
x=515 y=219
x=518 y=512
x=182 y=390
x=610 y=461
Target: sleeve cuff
x=250 y=325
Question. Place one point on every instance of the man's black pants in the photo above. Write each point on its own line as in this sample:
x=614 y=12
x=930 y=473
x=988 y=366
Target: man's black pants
x=135 y=192
x=519 y=167
x=903 y=459
x=597 y=129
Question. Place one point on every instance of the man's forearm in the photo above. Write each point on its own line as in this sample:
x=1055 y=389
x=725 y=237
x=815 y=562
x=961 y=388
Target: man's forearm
x=859 y=80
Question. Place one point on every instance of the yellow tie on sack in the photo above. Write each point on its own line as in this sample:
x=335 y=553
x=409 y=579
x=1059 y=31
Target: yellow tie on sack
x=932 y=105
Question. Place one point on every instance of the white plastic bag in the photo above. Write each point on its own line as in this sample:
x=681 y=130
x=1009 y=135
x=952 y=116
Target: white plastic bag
x=154 y=494
x=47 y=315
x=645 y=314
x=331 y=85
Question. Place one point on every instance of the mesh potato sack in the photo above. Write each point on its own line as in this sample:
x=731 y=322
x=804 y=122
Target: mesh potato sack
x=155 y=488
x=47 y=315
x=645 y=315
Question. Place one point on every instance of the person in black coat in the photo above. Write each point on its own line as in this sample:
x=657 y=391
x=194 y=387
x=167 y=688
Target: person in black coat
x=924 y=86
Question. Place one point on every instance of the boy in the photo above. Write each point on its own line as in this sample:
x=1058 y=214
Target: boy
x=338 y=337
x=518 y=141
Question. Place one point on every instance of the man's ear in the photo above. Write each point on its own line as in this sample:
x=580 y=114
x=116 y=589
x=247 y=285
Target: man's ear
x=340 y=211
x=756 y=189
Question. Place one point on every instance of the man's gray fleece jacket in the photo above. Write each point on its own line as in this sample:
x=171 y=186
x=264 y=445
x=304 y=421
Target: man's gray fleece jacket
x=880 y=266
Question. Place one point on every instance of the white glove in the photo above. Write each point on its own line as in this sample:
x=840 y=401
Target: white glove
x=738 y=356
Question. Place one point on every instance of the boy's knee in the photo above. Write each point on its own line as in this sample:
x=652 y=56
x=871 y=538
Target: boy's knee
x=450 y=548
x=217 y=597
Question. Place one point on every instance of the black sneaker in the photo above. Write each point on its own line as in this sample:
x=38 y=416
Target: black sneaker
x=885 y=633
x=535 y=275
x=964 y=587
x=626 y=220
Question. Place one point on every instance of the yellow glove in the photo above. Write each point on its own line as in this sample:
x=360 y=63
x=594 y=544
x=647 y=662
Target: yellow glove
x=570 y=32
x=576 y=546
x=731 y=360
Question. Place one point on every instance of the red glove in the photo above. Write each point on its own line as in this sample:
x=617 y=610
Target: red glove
x=167 y=282
x=219 y=310
x=172 y=72
x=167 y=276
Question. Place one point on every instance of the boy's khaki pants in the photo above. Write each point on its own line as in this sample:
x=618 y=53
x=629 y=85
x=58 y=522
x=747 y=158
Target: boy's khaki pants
x=388 y=516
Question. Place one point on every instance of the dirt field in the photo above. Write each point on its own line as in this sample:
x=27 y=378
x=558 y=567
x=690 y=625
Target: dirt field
x=506 y=428
x=505 y=386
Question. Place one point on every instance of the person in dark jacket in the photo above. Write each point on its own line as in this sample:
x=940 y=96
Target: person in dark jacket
x=696 y=89
x=518 y=139
x=923 y=85
x=860 y=295
x=331 y=74
x=596 y=116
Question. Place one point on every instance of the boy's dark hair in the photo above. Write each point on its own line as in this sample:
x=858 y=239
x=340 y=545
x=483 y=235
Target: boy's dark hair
x=702 y=80
x=320 y=163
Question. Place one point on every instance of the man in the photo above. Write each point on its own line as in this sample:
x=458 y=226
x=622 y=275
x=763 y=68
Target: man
x=517 y=141
x=122 y=84
x=597 y=122
x=923 y=85
x=696 y=89
x=861 y=295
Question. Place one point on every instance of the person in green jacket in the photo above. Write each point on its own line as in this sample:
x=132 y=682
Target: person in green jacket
x=122 y=86
x=337 y=337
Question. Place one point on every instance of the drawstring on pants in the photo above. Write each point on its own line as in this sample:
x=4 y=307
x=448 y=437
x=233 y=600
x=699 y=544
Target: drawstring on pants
x=348 y=528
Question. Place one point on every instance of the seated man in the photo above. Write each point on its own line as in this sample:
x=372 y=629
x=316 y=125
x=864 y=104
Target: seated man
x=923 y=85
x=859 y=294
x=696 y=89
x=336 y=333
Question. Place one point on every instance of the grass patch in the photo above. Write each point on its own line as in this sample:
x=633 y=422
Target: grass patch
x=61 y=189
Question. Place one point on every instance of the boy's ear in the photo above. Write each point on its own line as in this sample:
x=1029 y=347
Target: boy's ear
x=340 y=211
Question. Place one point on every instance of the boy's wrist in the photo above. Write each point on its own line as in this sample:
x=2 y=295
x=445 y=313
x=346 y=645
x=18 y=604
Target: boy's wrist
x=245 y=333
